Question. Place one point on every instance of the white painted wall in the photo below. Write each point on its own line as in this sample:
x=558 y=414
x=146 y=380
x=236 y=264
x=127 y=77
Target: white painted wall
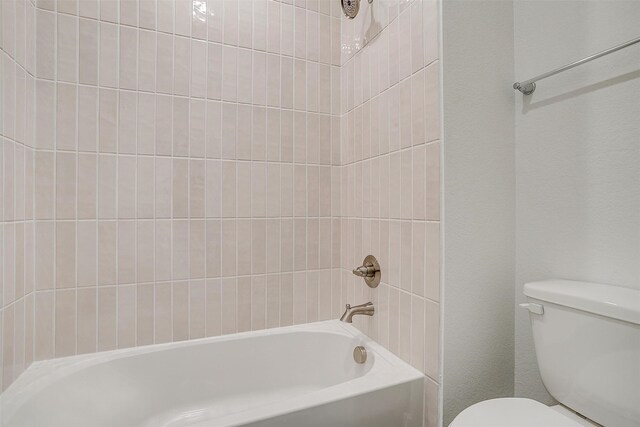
x=478 y=215
x=577 y=154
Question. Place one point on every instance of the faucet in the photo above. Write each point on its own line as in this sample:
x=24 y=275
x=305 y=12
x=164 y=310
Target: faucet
x=366 y=309
x=369 y=271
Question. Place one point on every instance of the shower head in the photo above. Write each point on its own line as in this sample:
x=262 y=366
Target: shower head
x=351 y=7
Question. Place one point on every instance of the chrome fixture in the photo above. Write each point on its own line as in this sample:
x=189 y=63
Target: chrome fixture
x=527 y=87
x=351 y=7
x=370 y=271
x=365 y=309
x=360 y=354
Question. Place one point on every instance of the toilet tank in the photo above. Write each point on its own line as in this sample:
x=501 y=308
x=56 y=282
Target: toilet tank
x=587 y=342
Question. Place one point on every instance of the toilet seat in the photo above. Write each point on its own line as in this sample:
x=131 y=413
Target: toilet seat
x=514 y=412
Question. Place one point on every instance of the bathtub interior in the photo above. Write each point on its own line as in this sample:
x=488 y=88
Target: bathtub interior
x=188 y=382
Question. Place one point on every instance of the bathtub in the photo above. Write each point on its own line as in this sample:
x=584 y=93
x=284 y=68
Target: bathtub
x=302 y=376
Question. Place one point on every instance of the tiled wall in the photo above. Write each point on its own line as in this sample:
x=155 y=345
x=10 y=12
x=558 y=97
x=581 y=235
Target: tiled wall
x=186 y=171
x=17 y=85
x=198 y=169
x=391 y=177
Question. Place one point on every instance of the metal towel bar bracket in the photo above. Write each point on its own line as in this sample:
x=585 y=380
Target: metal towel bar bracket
x=527 y=87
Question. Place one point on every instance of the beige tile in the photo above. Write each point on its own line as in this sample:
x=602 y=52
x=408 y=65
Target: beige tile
x=89 y=34
x=213 y=248
x=164 y=125
x=165 y=15
x=286 y=299
x=180 y=311
x=180 y=127
x=66 y=103
x=197 y=309
x=432 y=101
x=44 y=255
x=183 y=11
x=126 y=254
x=128 y=65
x=65 y=255
x=180 y=188
x=87 y=118
x=213 y=307
x=163 y=186
x=433 y=181
x=258 y=302
x=213 y=188
x=164 y=65
x=229 y=72
x=145 y=262
x=228 y=298
x=127 y=167
x=299 y=298
x=107 y=320
x=147 y=18
x=108 y=114
x=432 y=339
x=180 y=246
x=430 y=21
x=272 y=301
x=44 y=184
x=87 y=186
x=65 y=186
x=87 y=318
x=243 y=191
x=145 y=188
x=229 y=247
x=243 y=245
x=163 y=250
x=44 y=321
x=197 y=189
x=243 y=133
x=163 y=318
x=433 y=261
x=259 y=24
x=127 y=112
x=145 y=314
x=107 y=252
x=108 y=54
x=147 y=55
x=419 y=176
x=197 y=127
x=259 y=78
x=406 y=182
x=87 y=253
x=214 y=70
x=417 y=332
x=197 y=249
x=229 y=189
x=126 y=316
x=45 y=44
x=258 y=246
x=312 y=296
x=146 y=123
x=405 y=323
x=406 y=249
x=129 y=12
x=109 y=11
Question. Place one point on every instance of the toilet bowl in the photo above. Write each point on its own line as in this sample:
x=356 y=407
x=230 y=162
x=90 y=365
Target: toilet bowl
x=515 y=412
x=587 y=342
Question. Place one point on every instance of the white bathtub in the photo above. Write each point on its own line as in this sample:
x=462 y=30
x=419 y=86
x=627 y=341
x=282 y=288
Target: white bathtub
x=302 y=376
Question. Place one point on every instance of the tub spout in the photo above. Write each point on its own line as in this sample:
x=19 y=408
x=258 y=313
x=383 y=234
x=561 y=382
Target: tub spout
x=365 y=309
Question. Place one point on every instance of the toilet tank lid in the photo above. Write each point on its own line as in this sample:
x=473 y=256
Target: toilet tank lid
x=611 y=301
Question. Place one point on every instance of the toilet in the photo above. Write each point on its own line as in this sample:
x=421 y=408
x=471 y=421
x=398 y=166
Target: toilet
x=587 y=342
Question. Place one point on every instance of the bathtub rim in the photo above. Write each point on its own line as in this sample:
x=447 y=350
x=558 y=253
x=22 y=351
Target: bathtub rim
x=388 y=370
